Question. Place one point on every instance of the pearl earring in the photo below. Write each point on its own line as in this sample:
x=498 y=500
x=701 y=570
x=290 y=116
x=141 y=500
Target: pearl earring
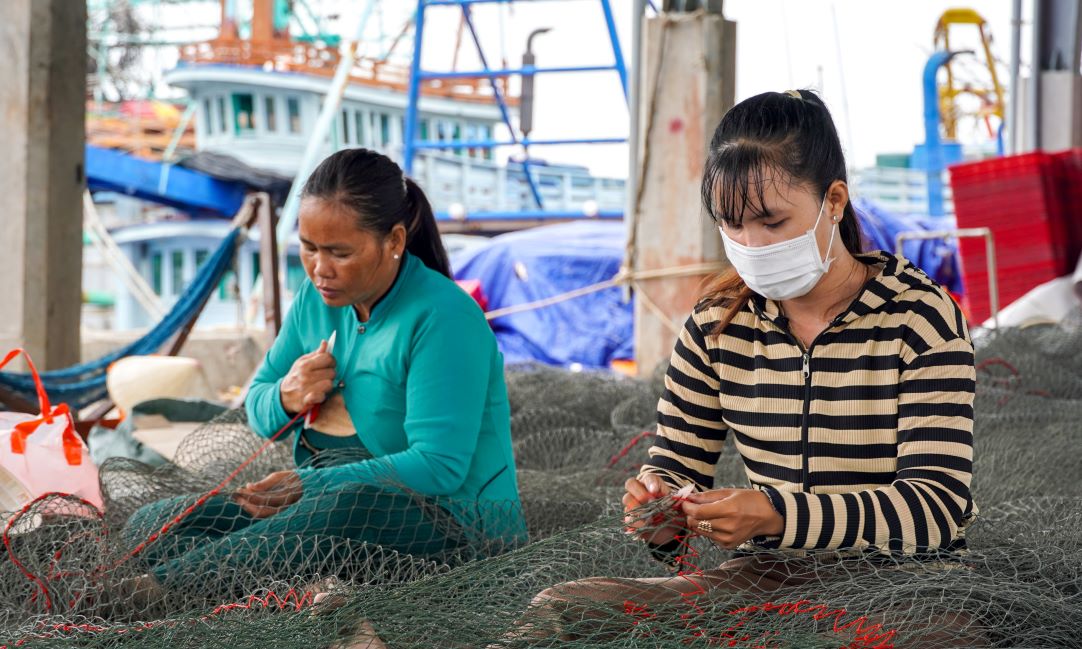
x=396 y=256
x=837 y=217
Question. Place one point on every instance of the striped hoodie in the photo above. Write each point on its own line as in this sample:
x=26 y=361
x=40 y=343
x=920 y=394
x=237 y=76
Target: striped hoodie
x=862 y=441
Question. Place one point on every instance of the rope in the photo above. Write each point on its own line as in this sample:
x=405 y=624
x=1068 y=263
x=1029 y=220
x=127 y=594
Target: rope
x=633 y=230
x=622 y=278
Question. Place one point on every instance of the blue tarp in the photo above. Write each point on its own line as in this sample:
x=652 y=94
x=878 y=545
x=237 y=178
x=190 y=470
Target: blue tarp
x=173 y=185
x=936 y=257
x=593 y=330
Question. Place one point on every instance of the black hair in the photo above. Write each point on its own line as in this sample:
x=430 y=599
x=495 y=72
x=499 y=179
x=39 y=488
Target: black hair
x=373 y=187
x=789 y=133
x=775 y=132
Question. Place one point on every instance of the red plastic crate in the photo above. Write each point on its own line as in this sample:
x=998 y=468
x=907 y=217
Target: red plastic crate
x=1022 y=200
x=1069 y=165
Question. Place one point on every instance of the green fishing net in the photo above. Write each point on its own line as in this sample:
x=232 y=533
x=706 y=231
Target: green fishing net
x=73 y=576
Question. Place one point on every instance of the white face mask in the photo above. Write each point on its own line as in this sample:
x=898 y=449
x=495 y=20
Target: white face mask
x=782 y=271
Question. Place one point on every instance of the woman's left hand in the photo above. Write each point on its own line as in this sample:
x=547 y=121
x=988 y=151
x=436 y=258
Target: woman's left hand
x=270 y=495
x=732 y=515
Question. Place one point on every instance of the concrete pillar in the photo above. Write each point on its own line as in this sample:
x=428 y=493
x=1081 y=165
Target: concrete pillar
x=1049 y=102
x=42 y=114
x=688 y=82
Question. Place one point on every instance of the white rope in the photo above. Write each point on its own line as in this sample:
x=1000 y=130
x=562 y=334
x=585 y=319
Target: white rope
x=115 y=257
x=621 y=278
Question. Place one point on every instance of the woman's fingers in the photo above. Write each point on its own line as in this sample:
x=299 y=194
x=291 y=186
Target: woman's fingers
x=648 y=488
x=263 y=504
x=317 y=392
x=718 y=530
x=711 y=496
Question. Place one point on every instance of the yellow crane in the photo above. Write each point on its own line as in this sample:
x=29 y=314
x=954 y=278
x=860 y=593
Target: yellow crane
x=990 y=97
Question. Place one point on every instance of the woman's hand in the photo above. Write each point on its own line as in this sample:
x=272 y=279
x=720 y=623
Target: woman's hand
x=735 y=515
x=640 y=492
x=270 y=495
x=309 y=380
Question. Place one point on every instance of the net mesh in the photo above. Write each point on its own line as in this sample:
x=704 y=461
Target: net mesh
x=394 y=569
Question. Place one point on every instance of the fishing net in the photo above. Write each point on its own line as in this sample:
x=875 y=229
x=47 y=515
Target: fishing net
x=72 y=576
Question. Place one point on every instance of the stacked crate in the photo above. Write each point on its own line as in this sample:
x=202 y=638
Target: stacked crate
x=1033 y=204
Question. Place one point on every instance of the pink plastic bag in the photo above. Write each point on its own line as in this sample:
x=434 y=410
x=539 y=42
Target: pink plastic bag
x=43 y=452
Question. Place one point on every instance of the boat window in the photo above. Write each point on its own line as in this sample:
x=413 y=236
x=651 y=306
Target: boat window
x=293 y=107
x=177 y=274
x=424 y=130
x=256 y=268
x=207 y=118
x=156 y=272
x=359 y=131
x=486 y=134
x=227 y=287
x=344 y=134
x=385 y=128
x=243 y=113
x=294 y=274
x=456 y=136
x=221 y=114
x=200 y=257
x=269 y=116
x=471 y=136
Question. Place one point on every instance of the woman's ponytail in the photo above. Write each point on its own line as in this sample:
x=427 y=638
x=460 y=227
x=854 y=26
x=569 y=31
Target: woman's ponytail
x=422 y=234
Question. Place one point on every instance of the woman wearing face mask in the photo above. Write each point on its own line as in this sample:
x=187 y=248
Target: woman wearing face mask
x=411 y=448
x=845 y=380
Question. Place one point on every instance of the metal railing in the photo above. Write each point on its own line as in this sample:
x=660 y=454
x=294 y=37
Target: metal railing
x=990 y=256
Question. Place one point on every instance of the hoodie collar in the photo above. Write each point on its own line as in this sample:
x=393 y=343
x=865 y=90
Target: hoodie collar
x=884 y=287
x=385 y=303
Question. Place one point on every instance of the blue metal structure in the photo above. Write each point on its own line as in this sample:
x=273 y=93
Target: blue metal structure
x=411 y=142
x=191 y=191
x=932 y=141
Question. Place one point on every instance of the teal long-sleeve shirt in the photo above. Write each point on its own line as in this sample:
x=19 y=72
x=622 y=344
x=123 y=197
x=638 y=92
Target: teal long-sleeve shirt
x=423 y=383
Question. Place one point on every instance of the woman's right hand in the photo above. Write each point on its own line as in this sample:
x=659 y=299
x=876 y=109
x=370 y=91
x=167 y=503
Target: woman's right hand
x=641 y=491
x=309 y=380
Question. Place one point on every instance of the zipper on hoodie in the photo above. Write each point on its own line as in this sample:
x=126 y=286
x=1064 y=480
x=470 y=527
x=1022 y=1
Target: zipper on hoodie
x=806 y=354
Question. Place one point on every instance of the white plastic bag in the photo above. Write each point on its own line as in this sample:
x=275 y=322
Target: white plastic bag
x=43 y=452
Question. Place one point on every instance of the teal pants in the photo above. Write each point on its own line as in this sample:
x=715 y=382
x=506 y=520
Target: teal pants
x=353 y=531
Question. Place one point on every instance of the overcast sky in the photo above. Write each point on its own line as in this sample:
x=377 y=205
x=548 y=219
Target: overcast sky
x=866 y=56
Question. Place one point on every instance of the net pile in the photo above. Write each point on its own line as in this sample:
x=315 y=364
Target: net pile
x=69 y=577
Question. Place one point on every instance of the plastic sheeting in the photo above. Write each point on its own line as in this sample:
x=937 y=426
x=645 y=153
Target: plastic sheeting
x=520 y=267
x=229 y=169
x=936 y=257
x=595 y=329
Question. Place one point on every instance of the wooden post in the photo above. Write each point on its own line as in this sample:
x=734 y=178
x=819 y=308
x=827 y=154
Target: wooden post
x=268 y=265
x=42 y=126
x=688 y=82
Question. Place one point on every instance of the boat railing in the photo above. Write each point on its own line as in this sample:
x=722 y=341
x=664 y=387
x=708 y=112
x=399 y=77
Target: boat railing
x=898 y=189
x=483 y=185
x=290 y=56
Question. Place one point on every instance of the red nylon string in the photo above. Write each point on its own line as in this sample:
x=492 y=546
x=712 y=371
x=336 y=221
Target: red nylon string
x=868 y=635
x=42 y=587
x=630 y=445
x=290 y=601
x=210 y=494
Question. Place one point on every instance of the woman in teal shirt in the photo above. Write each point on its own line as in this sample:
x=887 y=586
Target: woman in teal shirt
x=411 y=448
